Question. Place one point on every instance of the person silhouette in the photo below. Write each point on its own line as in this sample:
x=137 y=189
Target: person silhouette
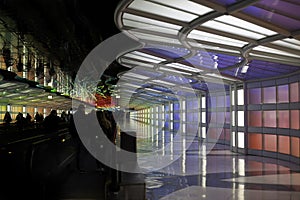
x=7 y=119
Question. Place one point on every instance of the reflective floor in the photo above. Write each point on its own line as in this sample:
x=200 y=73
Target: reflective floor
x=179 y=166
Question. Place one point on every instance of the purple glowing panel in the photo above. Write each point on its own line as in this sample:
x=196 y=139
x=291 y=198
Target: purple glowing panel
x=227 y=101
x=176 y=116
x=254 y=96
x=269 y=94
x=282 y=7
x=163 y=89
x=167 y=51
x=224 y=2
x=273 y=18
x=200 y=86
x=176 y=106
x=283 y=93
x=176 y=126
x=166 y=107
x=167 y=117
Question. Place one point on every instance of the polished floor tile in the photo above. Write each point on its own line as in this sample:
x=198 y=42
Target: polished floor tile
x=192 y=169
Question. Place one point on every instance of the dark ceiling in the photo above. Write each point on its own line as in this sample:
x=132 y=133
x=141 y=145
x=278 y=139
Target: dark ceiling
x=67 y=29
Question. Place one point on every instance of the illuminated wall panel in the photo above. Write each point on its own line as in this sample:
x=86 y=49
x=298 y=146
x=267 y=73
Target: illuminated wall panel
x=254 y=96
x=277 y=114
x=283 y=118
x=270 y=142
x=284 y=144
x=255 y=141
x=283 y=93
x=269 y=119
x=295 y=121
x=295 y=148
x=294 y=92
x=255 y=118
x=269 y=95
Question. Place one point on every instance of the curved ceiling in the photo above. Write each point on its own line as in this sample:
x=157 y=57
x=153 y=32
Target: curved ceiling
x=228 y=40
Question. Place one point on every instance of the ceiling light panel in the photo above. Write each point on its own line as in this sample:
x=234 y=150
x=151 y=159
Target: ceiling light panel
x=144 y=57
x=289 y=43
x=184 y=67
x=155 y=38
x=152 y=23
x=243 y=26
x=162 y=10
x=186 y=5
x=274 y=51
x=142 y=25
x=130 y=74
x=217 y=39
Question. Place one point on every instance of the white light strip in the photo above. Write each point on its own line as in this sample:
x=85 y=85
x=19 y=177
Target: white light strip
x=231 y=29
x=165 y=11
x=153 y=90
x=150 y=21
x=274 y=51
x=143 y=56
x=142 y=25
x=155 y=38
x=133 y=63
x=244 y=25
x=287 y=43
x=200 y=35
x=174 y=71
x=219 y=76
x=184 y=67
x=130 y=74
x=163 y=82
x=187 y=5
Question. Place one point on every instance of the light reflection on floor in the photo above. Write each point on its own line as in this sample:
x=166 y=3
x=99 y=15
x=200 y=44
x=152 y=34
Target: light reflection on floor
x=217 y=173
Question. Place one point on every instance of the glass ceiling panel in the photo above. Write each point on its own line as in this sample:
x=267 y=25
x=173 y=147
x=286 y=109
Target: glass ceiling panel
x=160 y=10
x=163 y=82
x=151 y=22
x=234 y=21
x=154 y=38
x=188 y=6
x=169 y=52
x=289 y=43
x=142 y=25
x=273 y=18
x=284 y=7
x=171 y=71
x=184 y=67
x=200 y=35
x=274 y=51
x=148 y=73
x=143 y=56
x=240 y=27
x=132 y=63
x=213 y=48
x=134 y=75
